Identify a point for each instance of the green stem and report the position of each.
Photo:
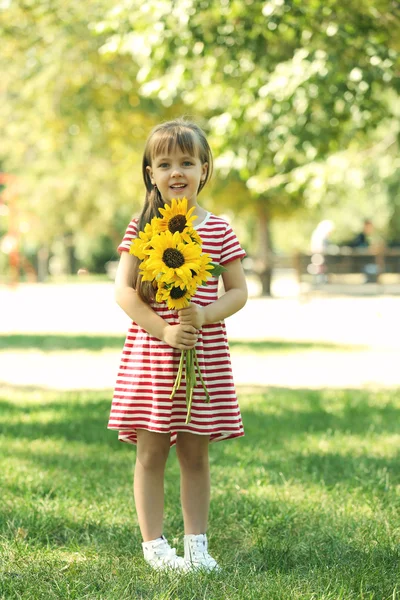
(179, 375)
(190, 383)
(189, 406)
(201, 377)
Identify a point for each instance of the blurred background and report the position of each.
(300, 100)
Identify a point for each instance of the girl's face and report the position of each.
(177, 175)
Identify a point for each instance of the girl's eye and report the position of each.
(166, 165)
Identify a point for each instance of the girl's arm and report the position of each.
(182, 336)
(232, 301)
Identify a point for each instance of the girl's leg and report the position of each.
(192, 452)
(148, 486)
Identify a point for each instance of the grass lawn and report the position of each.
(305, 506)
(92, 343)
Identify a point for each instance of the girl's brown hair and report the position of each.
(163, 139)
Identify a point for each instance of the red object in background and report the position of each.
(8, 196)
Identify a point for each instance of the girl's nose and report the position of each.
(176, 172)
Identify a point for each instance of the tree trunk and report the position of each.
(265, 251)
(71, 262)
(42, 264)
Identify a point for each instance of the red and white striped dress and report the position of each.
(149, 366)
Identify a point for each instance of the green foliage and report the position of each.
(299, 99)
(279, 83)
(72, 123)
(94, 252)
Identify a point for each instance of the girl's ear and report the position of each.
(204, 171)
(150, 174)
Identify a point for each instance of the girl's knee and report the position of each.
(193, 461)
(192, 453)
(152, 450)
(152, 458)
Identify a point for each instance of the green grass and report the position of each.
(273, 346)
(6, 279)
(305, 506)
(93, 343)
(60, 342)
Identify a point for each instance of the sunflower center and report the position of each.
(173, 258)
(176, 293)
(177, 223)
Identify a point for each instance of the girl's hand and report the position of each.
(183, 337)
(192, 315)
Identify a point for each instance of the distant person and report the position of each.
(364, 238)
(177, 164)
(320, 236)
(319, 246)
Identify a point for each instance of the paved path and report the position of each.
(80, 370)
(90, 308)
(371, 322)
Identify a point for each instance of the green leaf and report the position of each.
(217, 269)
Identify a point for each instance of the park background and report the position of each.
(300, 101)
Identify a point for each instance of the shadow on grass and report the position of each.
(318, 436)
(60, 342)
(278, 422)
(50, 528)
(86, 423)
(271, 416)
(290, 411)
(93, 343)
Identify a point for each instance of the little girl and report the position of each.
(177, 163)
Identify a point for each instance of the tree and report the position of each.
(280, 83)
(72, 123)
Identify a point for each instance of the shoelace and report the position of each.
(199, 549)
(165, 553)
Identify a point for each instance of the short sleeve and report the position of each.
(130, 233)
(231, 248)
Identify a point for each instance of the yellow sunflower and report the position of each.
(204, 272)
(141, 245)
(176, 217)
(175, 296)
(191, 235)
(170, 259)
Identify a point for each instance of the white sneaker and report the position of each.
(161, 557)
(196, 553)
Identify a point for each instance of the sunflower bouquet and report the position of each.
(170, 251)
